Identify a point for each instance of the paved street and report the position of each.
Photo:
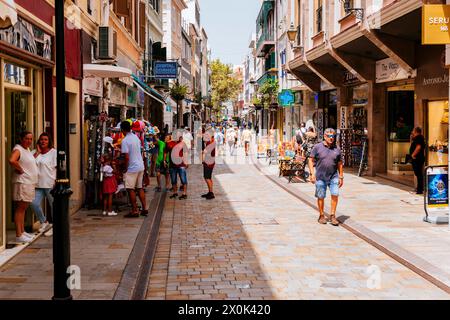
(256, 241)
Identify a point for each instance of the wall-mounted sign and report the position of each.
(118, 94)
(93, 86)
(350, 79)
(286, 98)
(343, 116)
(131, 97)
(165, 70)
(388, 70)
(435, 24)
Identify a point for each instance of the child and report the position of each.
(109, 187)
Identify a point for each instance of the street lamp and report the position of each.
(62, 191)
(292, 33)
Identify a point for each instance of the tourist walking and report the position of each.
(24, 179)
(134, 174)
(417, 152)
(231, 137)
(177, 152)
(246, 138)
(109, 186)
(326, 169)
(209, 161)
(161, 165)
(46, 161)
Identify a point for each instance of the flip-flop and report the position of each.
(322, 220)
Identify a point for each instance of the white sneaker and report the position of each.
(112, 213)
(49, 233)
(23, 238)
(44, 226)
(105, 213)
(29, 235)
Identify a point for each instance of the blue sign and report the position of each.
(165, 70)
(437, 190)
(286, 98)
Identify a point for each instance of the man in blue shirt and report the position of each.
(327, 170)
(134, 174)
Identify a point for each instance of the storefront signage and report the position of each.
(350, 79)
(165, 70)
(320, 127)
(344, 116)
(93, 86)
(432, 78)
(27, 36)
(118, 94)
(286, 98)
(388, 70)
(435, 24)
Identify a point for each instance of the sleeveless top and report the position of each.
(29, 166)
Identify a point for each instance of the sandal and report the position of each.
(144, 213)
(182, 197)
(322, 220)
(333, 221)
(131, 215)
(173, 196)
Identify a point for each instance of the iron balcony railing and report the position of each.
(265, 77)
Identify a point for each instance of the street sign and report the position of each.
(436, 194)
(435, 24)
(286, 98)
(165, 70)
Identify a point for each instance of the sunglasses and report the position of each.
(331, 136)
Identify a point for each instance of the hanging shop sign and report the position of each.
(320, 124)
(93, 86)
(388, 70)
(28, 37)
(286, 98)
(344, 117)
(436, 199)
(118, 94)
(435, 24)
(165, 70)
(131, 97)
(350, 79)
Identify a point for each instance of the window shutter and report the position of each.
(142, 25)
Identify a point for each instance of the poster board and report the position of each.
(436, 194)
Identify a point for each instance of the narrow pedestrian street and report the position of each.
(256, 241)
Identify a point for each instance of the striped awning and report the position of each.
(8, 13)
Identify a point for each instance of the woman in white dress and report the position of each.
(46, 160)
(24, 179)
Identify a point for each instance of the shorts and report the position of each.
(207, 172)
(247, 143)
(321, 187)
(161, 169)
(133, 180)
(23, 192)
(175, 172)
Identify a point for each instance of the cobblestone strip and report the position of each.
(415, 263)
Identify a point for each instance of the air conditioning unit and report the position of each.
(107, 43)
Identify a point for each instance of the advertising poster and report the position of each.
(438, 190)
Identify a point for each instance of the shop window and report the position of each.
(401, 115)
(15, 74)
(437, 133)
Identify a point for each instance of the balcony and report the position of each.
(265, 28)
(266, 76)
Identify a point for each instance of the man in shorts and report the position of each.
(327, 170)
(177, 153)
(161, 165)
(134, 174)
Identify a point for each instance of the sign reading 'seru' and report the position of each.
(436, 24)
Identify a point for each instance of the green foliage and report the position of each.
(268, 91)
(178, 91)
(224, 86)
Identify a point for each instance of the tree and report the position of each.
(178, 93)
(224, 87)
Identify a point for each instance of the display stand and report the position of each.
(436, 195)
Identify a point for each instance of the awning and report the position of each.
(105, 70)
(147, 89)
(8, 13)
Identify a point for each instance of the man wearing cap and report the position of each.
(134, 174)
(326, 169)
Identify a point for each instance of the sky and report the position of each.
(229, 25)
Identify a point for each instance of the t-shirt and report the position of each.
(231, 135)
(47, 164)
(132, 145)
(326, 161)
(209, 159)
(418, 141)
(174, 151)
(187, 138)
(161, 149)
(108, 171)
(28, 164)
(247, 135)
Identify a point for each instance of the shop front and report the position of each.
(24, 77)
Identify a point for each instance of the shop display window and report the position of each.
(437, 135)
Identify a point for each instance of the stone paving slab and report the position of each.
(100, 246)
(256, 241)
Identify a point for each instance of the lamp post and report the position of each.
(61, 191)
